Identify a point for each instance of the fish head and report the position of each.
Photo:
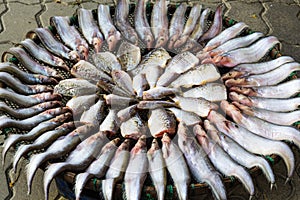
(97, 44)
(211, 130)
(230, 109)
(243, 90)
(240, 98)
(60, 62)
(113, 40)
(166, 139)
(154, 145)
(111, 146)
(73, 55)
(231, 75)
(124, 146)
(140, 146)
(161, 41)
(245, 109)
(83, 52)
(201, 135)
(172, 40)
(215, 117)
(149, 41)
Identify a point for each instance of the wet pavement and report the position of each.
(280, 18)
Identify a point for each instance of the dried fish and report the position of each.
(129, 55)
(94, 114)
(139, 84)
(81, 103)
(154, 104)
(106, 61)
(126, 113)
(123, 80)
(111, 88)
(133, 128)
(188, 118)
(152, 74)
(159, 93)
(116, 101)
(110, 125)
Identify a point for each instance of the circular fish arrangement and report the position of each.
(131, 94)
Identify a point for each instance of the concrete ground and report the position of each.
(280, 18)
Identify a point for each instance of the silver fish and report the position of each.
(160, 23)
(199, 75)
(177, 24)
(34, 133)
(136, 172)
(222, 161)
(160, 122)
(111, 34)
(43, 55)
(94, 114)
(176, 166)
(256, 68)
(280, 91)
(97, 168)
(70, 35)
(78, 159)
(189, 25)
(122, 22)
(89, 28)
(198, 106)
(280, 118)
(110, 124)
(238, 153)
(58, 148)
(123, 80)
(21, 88)
(116, 171)
(210, 91)
(188, 118)
(157, 169)
(52, 44)
(141, 24)
(75, 87)
(106, 61)
(133, 128)
(81, 103)
(261, 127)
(139, 84)
(154, 104)
(126, 113)
(29, 123)
(116, 101)
(269, 78)
(129, 56)
(252, 142)
(88, 71)
(286, 105)
(159, 93)
(179, 64)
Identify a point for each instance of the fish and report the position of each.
(155, 104)
(179, 64)
(111, 34)
(34, 133)
(216, 26)
(188, 118)
(141, 24)
(52, 44)
(122, 22)
(249, 54)
(286, 105)
(79, 159)
(129, 55)
(177, 24)
(160, 23)
(29, 63)
(123, 80)
(136, 172)
(222, 161)
(42, 141)
(90, 29)
(110, 125)
(238, 153)
(198, 106)
(157, 169)
(86, 70)
(21, 88)
(116, 101)
(26, 77)
(28, 100)
(280, 118)
(191, 43)
(283, 90)
(199, 75)
(111, 88)
(261, 127)
(106, 61)
(133, 128)
(159, 93)
(23, 113)
(152, 73)
(70, 35)
(29, 123)
(176, 166)
(79, 104)
(210, 91)
(98, 167)
(94, 114)
(139, 84)
(189, 25)
(116, 170)
(75, 87)
(266, 79)
(243, 70)
(160, 122)
(156, 57)
(252, 142)
(43, 55)
(58, 148)
(126, 113)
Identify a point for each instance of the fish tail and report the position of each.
(246, 180)
(21, 151)
(267, 170)
(182, 190)
(217, 186)
(81, 180)
(11, 140)
(287, 155)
